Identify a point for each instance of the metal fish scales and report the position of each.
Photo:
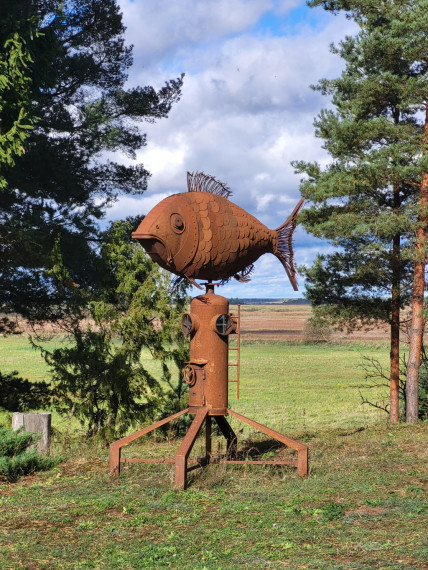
(202, 235)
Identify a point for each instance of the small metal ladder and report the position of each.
(237, 349)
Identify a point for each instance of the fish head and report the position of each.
(169, 234)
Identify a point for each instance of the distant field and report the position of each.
(287, 322)
(285, 382)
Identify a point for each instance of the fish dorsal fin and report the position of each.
(200, 182)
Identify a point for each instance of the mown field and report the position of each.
(363, 505)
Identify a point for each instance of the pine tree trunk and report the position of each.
(416, 330)
(394, 378)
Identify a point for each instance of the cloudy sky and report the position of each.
(246, 109)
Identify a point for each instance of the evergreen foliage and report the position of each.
(16, 460)
(365, 200)
(19, 395)
(69, 133)
(14, 442)
(97, 375)
(71, 66)
(15, 84)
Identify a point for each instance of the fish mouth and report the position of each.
(155, 247)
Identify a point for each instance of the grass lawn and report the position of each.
(363, 505)
(298, 386)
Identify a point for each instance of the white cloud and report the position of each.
(160, 29)
(130, 206)
(246, 109)
(285, 6)
(165, 162)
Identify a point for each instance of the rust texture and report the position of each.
(209, 352)
(202, 235)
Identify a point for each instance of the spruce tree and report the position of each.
(79, 156)
(96, 374)
(364, 201)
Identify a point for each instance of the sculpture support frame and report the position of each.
(207, 376)
(182, 456)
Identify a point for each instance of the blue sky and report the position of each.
(246, 109)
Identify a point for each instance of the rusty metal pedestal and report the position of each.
(209, 325)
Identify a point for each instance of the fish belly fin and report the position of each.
(200, 182)
(244, 275)
(285, 244)
(176, 282)
(193, 282)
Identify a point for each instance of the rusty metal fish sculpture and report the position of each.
(202, 235)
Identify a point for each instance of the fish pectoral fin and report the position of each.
(244, 275)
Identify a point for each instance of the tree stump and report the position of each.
(35, 423)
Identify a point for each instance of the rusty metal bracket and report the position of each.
(116, 446)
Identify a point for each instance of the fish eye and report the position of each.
(177, 223)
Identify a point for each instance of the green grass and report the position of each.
(288, 385)
(17, 354)
(363, 505)
(297, 386)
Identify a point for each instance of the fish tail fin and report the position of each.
(285, 244)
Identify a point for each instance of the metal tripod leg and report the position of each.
(208, 431)
(186, 447)
(116, 446)
(229, 434)
(301, 448)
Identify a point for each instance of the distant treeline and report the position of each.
(258, 301)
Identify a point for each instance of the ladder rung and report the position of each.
(233, 348)
(233, 365)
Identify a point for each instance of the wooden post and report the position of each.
(36, 423)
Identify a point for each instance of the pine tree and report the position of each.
(76, 64)
(364, 200)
